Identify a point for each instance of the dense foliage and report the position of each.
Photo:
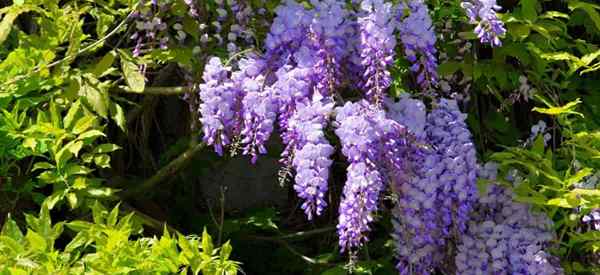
(415, 137)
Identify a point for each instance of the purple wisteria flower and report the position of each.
(419, 230)
(377, 43)
(219, 110)
(150, 29)
(311, 157)
(505, 237)
(447, 131)
(288, 31)
(593, 219)
(259, 106)
(364, 133)
(489, 27)
(418, 38)
(327, 38)
(409, 112)
(364, 182)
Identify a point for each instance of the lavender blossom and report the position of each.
(364, 132)
(489, 27)
(219, 108)
(505, 237)
(327, 38)
(259, 106)
(418, 37)
(420, 230)
(311, 157)
(150, 29)
(592, 219)
(377, 43)
(288, 30)
(410, 113)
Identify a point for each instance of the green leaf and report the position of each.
(118, 116)
(8, 19)
(225, 251)
(338, 270)
(100, 192)
(78, 226)
(134, 78)
(35, 241)
(42, 165)
(105, 64)
(566, 109)
(106, 148)
(83, 124)
(538, 145)
(578, 176)
(207, 244)
(79, 183)
(96, 98)
(102, 160)
(528, 7)
(73, 200)
(79, 241)
(74, 146)
(91, 134)
(590, 9)
(449, 68)
(75, 37)
(519, 30)
(11, 229)
(111, 220)
(74, 112)
(75, 169)
(53, 199)
(98, 212)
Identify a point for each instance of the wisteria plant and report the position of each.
(318, 136)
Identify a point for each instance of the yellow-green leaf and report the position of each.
(566, 109)
(134, 78)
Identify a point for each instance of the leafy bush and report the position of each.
(105, 246)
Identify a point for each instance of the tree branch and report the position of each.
(169, 170)
(179, 90)
(293, 236)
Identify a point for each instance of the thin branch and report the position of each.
(167, 171)
(295, 236)
(298, 235)
(179, 90)
(149, 221)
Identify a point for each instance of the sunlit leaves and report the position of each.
(106, 245)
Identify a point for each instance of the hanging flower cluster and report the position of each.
(489, 28)
(426, 158)
(150, 29)
(418, 37)
(505, 237)
(436, 193)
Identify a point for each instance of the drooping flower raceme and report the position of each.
(447, 131)
(288, 31)
(311, 157)
(418, 38)
(363, 130)
(259, 106)
(489, 27)
(364, 182)
(505, 237)
(219, 110)
(327, 38)
(419, 230)
(377, 43)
